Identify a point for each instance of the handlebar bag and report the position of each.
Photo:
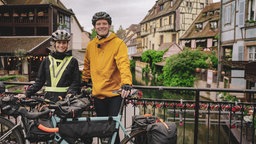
(162, 133)
(36, 135)
(8, 105)
(75, 109)
(86, 129)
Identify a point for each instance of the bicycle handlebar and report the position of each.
(135, 93)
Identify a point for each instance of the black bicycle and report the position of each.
(61, 122)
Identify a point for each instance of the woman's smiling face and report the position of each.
(61, 46)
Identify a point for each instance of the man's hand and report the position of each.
(20, 96)
(126, 90)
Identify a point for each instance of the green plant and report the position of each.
(6, 78)
(132, 64)
(179, 69)
(228, 97)
(145, 70)
(152, 57)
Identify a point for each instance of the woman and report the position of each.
(58, 72)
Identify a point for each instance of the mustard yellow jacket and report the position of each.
(106, 62)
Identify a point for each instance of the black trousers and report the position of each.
(108, 107)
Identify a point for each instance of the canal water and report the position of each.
(206, 134)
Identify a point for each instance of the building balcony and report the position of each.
(145, 33)
(165, 28)
(19, 20)
(234, 64)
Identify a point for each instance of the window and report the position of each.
(240, 53)
(251, 10)
(161, 7)
(189, 4)
(252, 53)
(199, 26)
(201, 5)
(161, 39)
(174, 38)
(170, 19)
(227, 14)
(171, 2)
(214, 24)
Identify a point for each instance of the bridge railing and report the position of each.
(199, 120)
(234, 118)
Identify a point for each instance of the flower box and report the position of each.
(6, 14)
(30, 14)
(40, 13)
(15, 15)
(23, 15)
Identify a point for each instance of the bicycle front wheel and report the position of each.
(15, 137)
(136, 137)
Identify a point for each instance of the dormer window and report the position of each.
(210, 13)
(214, 24)
(171, 2)
(161, 7)
(199, 26)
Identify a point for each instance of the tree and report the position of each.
(152, 57)
(180, 68)
(121, 33)
(94, 33)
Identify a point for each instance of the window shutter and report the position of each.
(241, 13)
(241, 53)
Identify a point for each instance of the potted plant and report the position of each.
(30, 14)
(6, 14)
(41, 13)
(15, 14)
(23, 14)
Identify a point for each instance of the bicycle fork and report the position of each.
(9, 132)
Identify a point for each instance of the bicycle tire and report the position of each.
(15, 137)
(136, 137)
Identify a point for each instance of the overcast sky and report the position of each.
(123, 12)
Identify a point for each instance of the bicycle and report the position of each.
(17, 133)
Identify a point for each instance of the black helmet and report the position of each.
(59, 35)
(101, 15)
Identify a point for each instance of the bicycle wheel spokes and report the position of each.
(9, 136)
(136, 137)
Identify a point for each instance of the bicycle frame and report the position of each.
(55, 119)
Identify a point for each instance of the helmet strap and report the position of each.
(102, 37)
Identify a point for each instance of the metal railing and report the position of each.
(230, 118)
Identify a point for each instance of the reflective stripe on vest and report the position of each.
(56, 72)
(56, 89)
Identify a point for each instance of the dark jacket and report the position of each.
(71, 78)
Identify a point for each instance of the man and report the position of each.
(107, 65)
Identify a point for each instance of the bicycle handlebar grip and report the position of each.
(47, 129)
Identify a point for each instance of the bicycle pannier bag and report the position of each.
(86, 129)
(142, 121)
(36, 135)
(162, 133)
